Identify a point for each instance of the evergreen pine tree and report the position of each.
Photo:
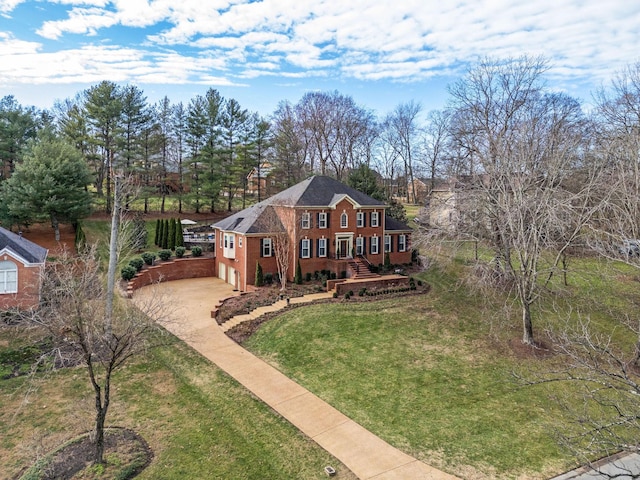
(171, 237)
(165, 234)
(158, 236)
(179, 233)
(298, 278)
(259, 276)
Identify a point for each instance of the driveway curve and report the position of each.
(366, 455)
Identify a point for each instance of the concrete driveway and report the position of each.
(366, 455)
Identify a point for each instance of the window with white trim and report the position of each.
(374, 245)
(8, 277)
(344, 220)
(387, 243)
(359, 245)
(305, 248)
(306, 220)
(402, 243)
(322, 247)
(322, 220)
(266, 247)
(229, 250)
(374, 219)
(360, 219)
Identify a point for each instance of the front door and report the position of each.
(344, 248)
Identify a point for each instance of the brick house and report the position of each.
(21, 265)
(328, 225)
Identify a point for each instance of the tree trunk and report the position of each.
(56, 227)
(101, 414)
(527, 324)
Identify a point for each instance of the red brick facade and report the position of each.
(28, 285)
(321, 238)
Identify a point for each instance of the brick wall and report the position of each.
(28, 295)
(173, 270)
(342, 286)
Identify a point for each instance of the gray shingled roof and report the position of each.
(320, 191)
(393, 225)
(256, 219)
(316, 191)
(22, 247)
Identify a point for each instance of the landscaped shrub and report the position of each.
(298, 278)
(136, 263)
(180, 252)
(335, 294)
(333, 275)
(196, 251)
(158, 236)
(148, 258)
(362, 292)
(268, 278)
(343, 274)
(347, 296)
(165, 234)
(259, 276)
(128, 272)
(171, 237)
(164, 254)
(350, 293)
(307, 277)
(179, 234)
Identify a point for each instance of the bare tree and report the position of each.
(73, 312)
(526, 144)
(401, 132)
(436, 141)
(618, 145)
(605, 380)
(278, 221)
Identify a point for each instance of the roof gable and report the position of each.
(23, 249)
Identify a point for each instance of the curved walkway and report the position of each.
(366, 455)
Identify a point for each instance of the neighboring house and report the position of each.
(262, 179)
(327, 226)
(21, 266)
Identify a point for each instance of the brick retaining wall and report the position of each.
(343, 286)
(176, 269)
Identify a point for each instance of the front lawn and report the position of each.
(434, 375)
(198, 422)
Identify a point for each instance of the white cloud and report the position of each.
(81, 21)
(221, 41)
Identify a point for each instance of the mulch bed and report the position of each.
(128, 451)
(240, 333)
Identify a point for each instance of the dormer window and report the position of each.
(344, 220)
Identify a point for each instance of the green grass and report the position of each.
(198, 421)
(434, 376)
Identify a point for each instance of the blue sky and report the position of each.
(381, 52)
